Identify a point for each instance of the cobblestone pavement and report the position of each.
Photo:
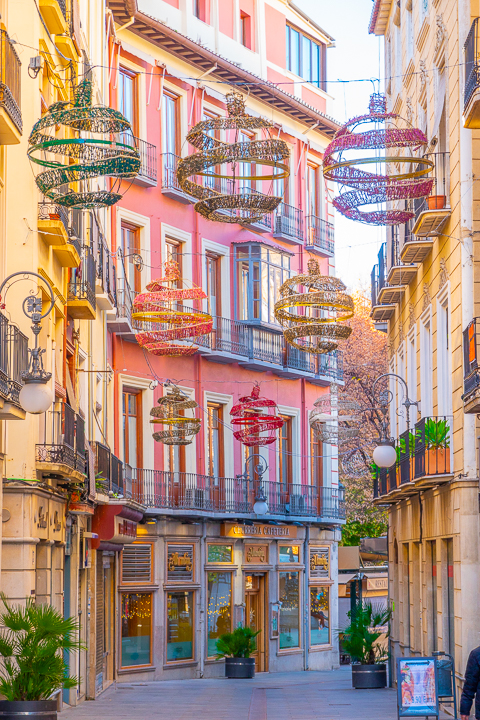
(280, 696)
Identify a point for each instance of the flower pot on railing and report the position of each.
(437, 461)
(436, 202)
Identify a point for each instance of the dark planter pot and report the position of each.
(28, 709)
(239, 667)
(369, 676)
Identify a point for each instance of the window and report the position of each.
(426, 369)
(305, 57)
(219, 608)
(137, 564)
(220, 554)
(130, 248)
(173, 250)
(316, 460)
(260, 272)
(179, 626)
(209, 181)
(132, 427)
(285, 453)
(288, 553)
(213, 288)
(289, 595)
(200, 10)
(319, 615)
(313, 205)
(246, 30)
(412, 365)
(444, 379)
(127, 97)
(433, 593)
(170, 130)
(409, 32)
(246, 171)
(136, 629)
(215, 457)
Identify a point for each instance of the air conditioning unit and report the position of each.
(298, 504)
(195, 498)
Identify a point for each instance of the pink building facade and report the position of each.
(203, 562)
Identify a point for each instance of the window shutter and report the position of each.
(137, 564)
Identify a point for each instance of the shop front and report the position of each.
(184, 585)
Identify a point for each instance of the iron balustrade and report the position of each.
(471, 356)
(148, 159)
(17, 356)
(432, 446)
(51, 211)
(3, 356)
(83, 287)
(374, 285)
(471, 60)
(80, 449)
(63, 7)
(103, 464)
(125, 297)
(288, 220)
(378, 276)
(117, 476)
(441, 186)
(188, 491)
(169, 172)
(59, 445)
(320, 234)
(71, 220)
(10, 84)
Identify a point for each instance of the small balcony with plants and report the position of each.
(432, 213)
(63, 230)
(11, 125)
(81, 300)
(423, 461)
(61, 453)
(13, 362)
(105, 284)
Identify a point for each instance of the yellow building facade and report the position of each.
(425, 296)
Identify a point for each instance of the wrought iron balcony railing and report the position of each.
(319, 234)
(63, 439)
(13, 360)
(148, 161)
(83, 286)
(471, 51)
(10, 95)
(71, 219)
(288, 222)
(169, 173)
(202, 493)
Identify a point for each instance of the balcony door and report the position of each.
(170, 139)
(214, 290)
(127, 100)
(215, 465)
(130, 248)
(132, 430)
(256, 616)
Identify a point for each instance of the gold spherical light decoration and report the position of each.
(179, 430)
(312, 309)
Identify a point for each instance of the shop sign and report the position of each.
(125, 531)
(377, 583)
(319, 563)
(273, 531)
(256, 554)
(180, 563)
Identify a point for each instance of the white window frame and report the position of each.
(141, 90)
(444, 359)
(142, 222)
(294, 413)
(228, 446)
(411, 356)
(142, 384)
(223, 252)
(185, 239)
(426, 364)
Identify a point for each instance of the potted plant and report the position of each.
(236, 648)
(360, 639)
(437, 444)
(33, 640)
(436, 202)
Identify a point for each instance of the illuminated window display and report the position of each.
(179, 626)
(219, 608)
(319, 615)
(289, 596)
(136, 629)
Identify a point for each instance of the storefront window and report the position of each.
(219, 608)
(288, 553)
(219, 554)
(179, 626)
(319, 616)
(290, 610)
(136, 629)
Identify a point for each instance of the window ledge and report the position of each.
(293, 651)
(186, 663)
(320, 648)
(144, 668)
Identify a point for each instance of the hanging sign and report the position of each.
(239, 530)
(417, 686)
(319, 563)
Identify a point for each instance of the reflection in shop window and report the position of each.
(179, 626)
(319, 616)
(219, 608)
(219, 554)
(136, 629)
(290, 610)
(288, 553)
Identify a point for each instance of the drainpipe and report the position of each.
(306, 599)
(202, 614)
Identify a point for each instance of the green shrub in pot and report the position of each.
(360, 640)
(236, 648)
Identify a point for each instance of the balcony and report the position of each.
(177, 493)
(384, 297)
(13, 362)
(147, 175)
(54, 13)
(423, 461)
(105, 285)
(319, 235)
(10, 102)
(432, 213)
(61, 229)
(170, 186)
(471, 97)
(120, 321)
(81, 303)
(61, 455)
(288, 224)
(400, 274)
(471, 370)
(260, 348)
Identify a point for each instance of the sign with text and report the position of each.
(319, 563)
(259, 531)
(256, 554)
(417, 686)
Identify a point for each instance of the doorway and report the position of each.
(256, 616)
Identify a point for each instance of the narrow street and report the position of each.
(279, 696)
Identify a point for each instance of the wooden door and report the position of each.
(256, 618)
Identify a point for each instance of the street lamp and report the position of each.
(260, 505)
(35, 396)
(385, 454)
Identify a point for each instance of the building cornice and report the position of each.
(202, 59)
(379, 17)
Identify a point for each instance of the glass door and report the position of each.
(255, 617)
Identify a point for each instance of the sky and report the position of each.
(355, 56)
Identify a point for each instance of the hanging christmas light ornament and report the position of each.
(334, 419)
(71, 162)
(179, 430)
(255, 427)
(160, 320)
(314, 306)
(226, 195)
(389, 186)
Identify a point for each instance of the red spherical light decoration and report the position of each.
(255, 428)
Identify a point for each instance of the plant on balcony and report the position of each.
(236, 647)
(436, 435)
(436, 202)
(33, 641)
(361, 639)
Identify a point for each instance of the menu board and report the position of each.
(417, 686)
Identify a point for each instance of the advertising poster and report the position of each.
(417, 686)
